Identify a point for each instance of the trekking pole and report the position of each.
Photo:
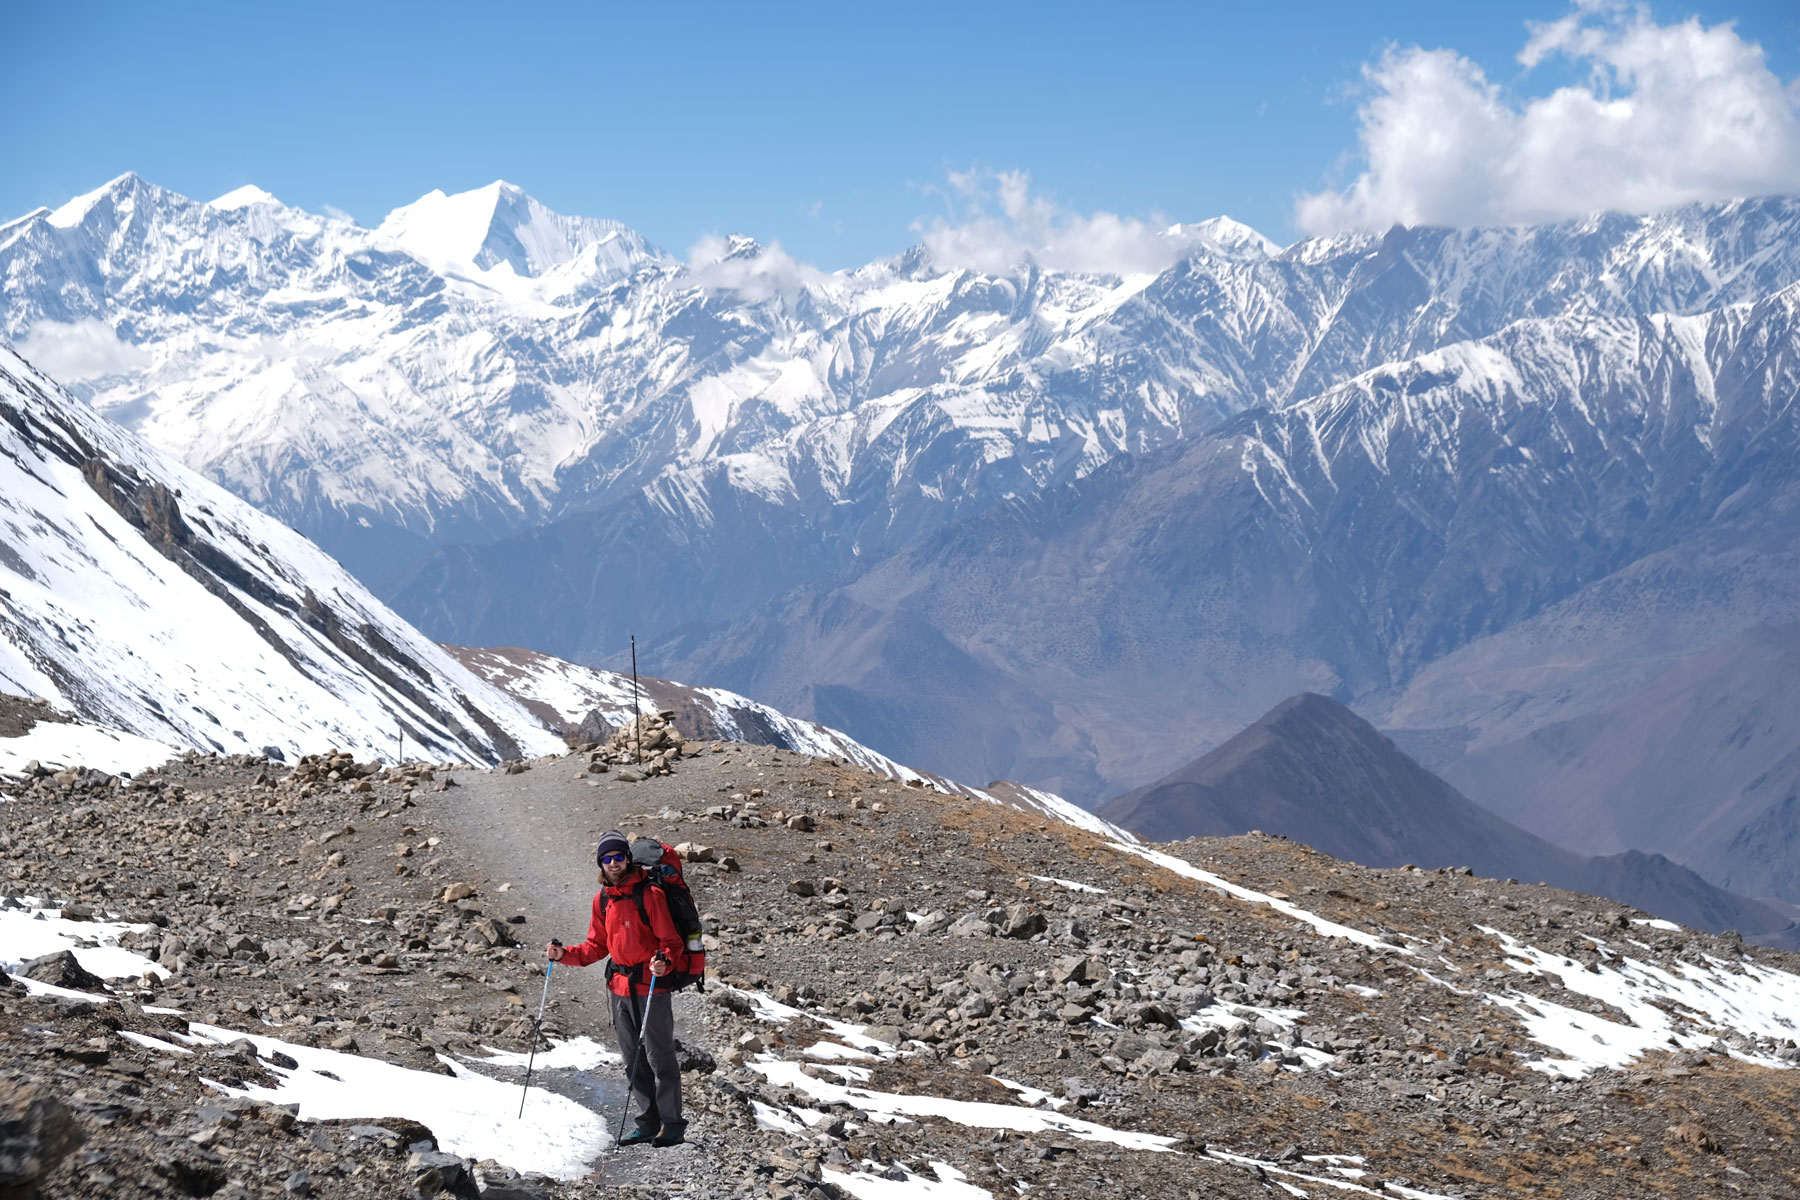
(536, 1027)
(643, 1024)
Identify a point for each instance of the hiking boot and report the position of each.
(638, 1137)
(670, 1136)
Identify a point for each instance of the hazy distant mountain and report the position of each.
(1312, 770)
(1345, 544)
(1702, 760)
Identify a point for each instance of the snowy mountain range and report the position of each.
(145, 599)
(477, 366)
(1502, 488)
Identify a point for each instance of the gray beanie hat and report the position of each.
(614, 841)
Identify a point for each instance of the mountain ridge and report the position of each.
(1032, 372)
(1344, 545)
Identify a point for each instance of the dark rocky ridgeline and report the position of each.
(347, 905)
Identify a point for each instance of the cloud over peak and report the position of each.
(996, 222)
(1665, 115)
(754, 272)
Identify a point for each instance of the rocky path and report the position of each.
(534, 831)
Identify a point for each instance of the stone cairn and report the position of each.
(647, 746)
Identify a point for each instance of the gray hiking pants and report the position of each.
(655, 1079)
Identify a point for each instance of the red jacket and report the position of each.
(617, 928)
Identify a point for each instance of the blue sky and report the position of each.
(836, 129)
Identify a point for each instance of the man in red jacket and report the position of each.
(638, 950)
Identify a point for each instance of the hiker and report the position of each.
(637, 951)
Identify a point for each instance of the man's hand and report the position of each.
(553, 950)
(660, 966)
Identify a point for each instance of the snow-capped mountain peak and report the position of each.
(742, 245)
(1224, 235)
(120, 190)
(500, 224)
(242, 197)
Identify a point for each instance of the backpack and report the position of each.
(662, 869)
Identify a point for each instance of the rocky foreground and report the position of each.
(910, 989)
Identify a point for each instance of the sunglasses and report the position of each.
(612, 858)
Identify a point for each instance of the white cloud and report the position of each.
(996, 223)
(754, 272)
(1667, 115)
(86, 349)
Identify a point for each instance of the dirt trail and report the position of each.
(535, 832)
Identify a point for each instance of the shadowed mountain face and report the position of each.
(1702, 761)
(1314, 771)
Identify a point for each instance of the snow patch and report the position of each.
(58, 744)
(1070, 884)
(950, 1184)
(1690, 1007)
(27, 933)
(894, 1106)
(1320, 925)
(573, 1054)
(471, 1114)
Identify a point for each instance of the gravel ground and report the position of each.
(315, 906)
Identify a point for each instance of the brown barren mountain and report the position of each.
(1312, 770)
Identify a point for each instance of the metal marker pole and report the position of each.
(637, 717)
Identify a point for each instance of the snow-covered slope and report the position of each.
(146, 599)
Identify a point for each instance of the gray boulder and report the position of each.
(62, 969)
(36, 1133)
